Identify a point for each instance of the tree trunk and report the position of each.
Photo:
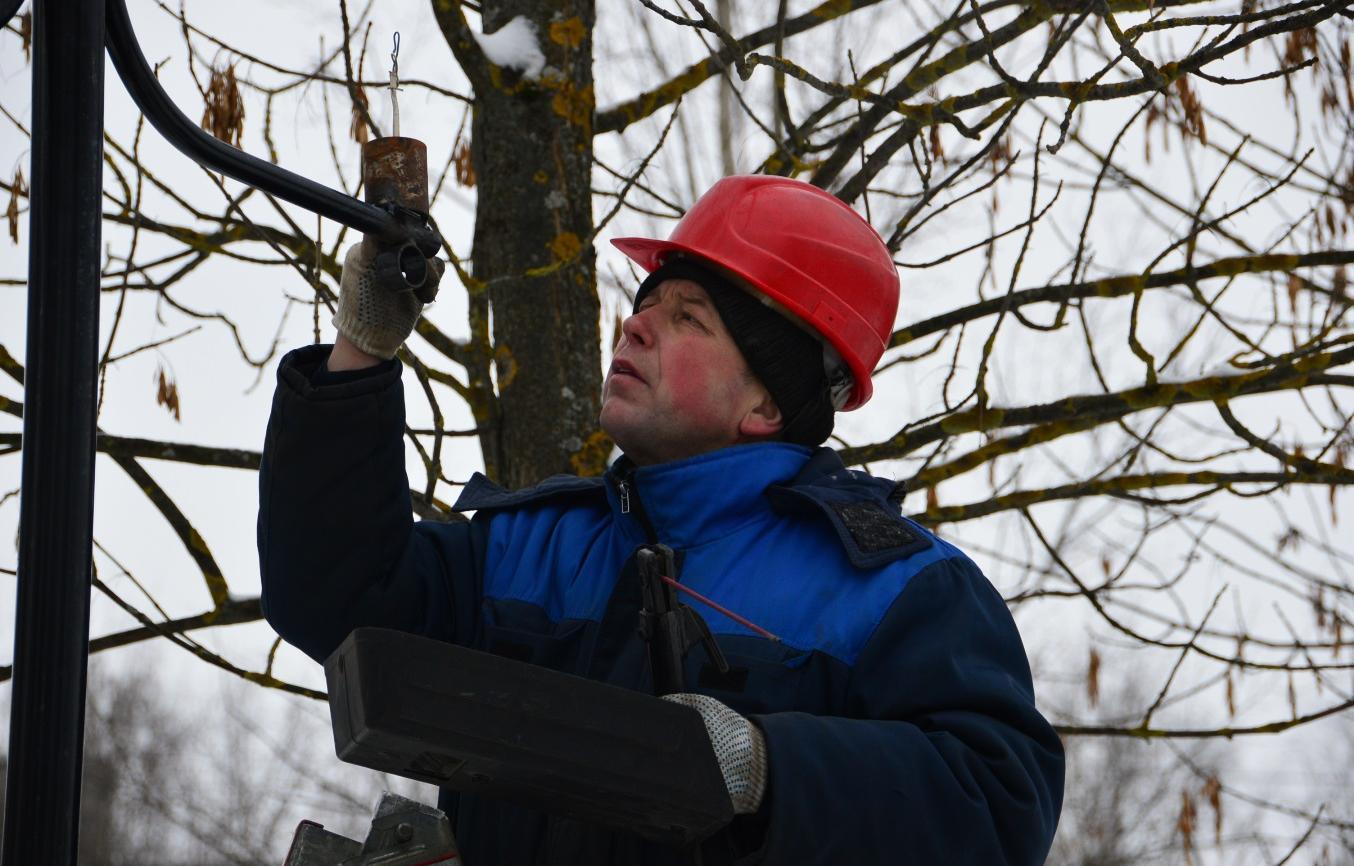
(532, 152)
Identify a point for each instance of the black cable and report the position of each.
(215, 154)
(8, 9)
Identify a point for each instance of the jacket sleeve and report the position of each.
(944, 758)
(338, 547)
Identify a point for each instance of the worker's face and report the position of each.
(678, 386)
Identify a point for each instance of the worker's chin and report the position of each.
(628, 425)
(616, 417)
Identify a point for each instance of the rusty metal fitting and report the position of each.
(395, 171)
(395, 177)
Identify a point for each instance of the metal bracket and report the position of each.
(403, 833)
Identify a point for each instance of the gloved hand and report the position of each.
(377, 311)
(740, 748)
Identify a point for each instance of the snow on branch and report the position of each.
(514, 46)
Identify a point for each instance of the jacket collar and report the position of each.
(704, 498)
(701, 499)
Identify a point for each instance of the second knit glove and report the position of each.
(740, 748)
(377, 311)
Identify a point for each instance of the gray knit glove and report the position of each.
(740, 748)
(377, 311)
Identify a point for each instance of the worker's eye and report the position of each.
(688, 318)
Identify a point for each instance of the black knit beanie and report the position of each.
(785, 358)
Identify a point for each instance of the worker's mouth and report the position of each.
(621, 367)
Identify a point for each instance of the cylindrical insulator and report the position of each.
(395, 171)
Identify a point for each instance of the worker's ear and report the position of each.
(763, 420)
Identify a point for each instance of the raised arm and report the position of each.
(338, 547)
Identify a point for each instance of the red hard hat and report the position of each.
(802, 247)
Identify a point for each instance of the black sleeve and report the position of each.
(338, 547)
(944, 758)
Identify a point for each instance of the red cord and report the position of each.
(719, 607)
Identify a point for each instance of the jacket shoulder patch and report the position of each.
(872, 528)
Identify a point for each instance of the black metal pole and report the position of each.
(56, 513)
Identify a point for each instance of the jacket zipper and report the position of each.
(631, 504)
(628, 493)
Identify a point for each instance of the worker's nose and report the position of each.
(637, 329)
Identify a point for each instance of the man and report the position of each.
(890, 716)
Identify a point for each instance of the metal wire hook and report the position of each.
(395, 85)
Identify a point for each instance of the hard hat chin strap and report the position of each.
(840, 382)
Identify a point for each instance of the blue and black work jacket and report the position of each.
(897, 703)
